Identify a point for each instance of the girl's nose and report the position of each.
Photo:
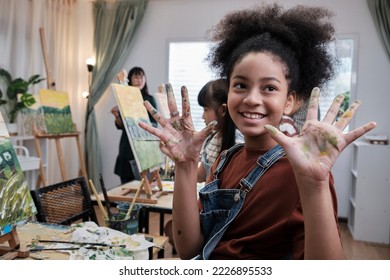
(252, 98)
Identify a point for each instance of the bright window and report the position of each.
(345, 49)
(187, 66)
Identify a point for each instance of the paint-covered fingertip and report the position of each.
(315, 91)
(271, 129)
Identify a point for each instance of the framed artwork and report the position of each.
(144, 145)
(16, 203)
(56, 111)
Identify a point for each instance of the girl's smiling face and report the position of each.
(258, 95)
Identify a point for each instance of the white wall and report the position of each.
(166, 20)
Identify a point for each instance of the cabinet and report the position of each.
(28, 158)
(369, 202)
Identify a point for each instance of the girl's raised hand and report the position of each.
(179, 140)
(314, 151)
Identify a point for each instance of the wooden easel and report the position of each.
(50, 82)
(13, 250)
(57, 138)
(149, 196)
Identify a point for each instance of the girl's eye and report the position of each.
(239, 86)
(269, 89)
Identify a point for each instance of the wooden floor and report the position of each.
(358, 250)
(353, 250)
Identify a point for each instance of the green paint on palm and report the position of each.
(333, 141)
(306, 148)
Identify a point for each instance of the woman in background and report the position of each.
(123, 169)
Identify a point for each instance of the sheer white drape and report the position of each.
(68, 30)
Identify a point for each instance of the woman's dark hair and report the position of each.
(138, 71)
(144, 91)
(297, 37)
(212, 95)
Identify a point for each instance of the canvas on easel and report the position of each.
(144, 145)
(162, 101)
(16, 203)
(32, 118)
(56, 110)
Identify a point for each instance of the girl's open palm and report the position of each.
(179, 140)
(314, 151)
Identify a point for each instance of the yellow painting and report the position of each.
(56, 110)
(54, 98)
(144, 145)
(130, 101)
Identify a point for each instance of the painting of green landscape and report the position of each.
(16, 203)
(56, 110)
(32, 119)
(144, 145)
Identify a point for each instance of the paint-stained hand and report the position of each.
(179, 140)
(313, 153)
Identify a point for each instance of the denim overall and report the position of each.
(221, 206)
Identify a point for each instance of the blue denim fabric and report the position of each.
(221, 206)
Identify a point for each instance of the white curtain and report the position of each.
(67, 26)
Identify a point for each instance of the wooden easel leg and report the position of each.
(12, 251)
(42, 175)
(159, 181)
(39, 181)
(155, 175)
(61, 160)
(82, 162)
(147, 187)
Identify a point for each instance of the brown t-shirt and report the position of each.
(270, 223)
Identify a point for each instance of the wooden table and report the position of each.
(34, 231)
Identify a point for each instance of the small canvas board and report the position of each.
(56, 110)
(144, 145)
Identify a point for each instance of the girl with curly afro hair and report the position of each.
(273, 196)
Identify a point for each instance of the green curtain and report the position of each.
(114, 27)
(380, 11)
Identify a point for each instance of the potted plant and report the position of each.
(14, 94)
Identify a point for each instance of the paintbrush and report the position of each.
(81, 243)
(38, 249)
(98, 200)
(106, 199)
(134, 198)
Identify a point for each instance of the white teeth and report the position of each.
(253, 116)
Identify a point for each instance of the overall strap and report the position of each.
(225, 155)
(263, 163)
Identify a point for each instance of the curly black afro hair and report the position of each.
(299, 37)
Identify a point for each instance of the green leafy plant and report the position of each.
(16, 91)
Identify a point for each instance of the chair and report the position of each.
(64, 203)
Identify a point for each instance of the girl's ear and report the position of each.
(222, 109)
(291, 99)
